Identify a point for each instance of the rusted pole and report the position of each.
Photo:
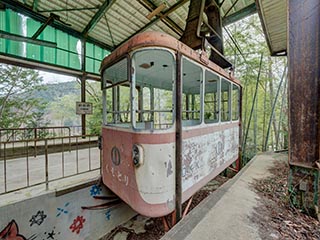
(304, 101)
(178, 139)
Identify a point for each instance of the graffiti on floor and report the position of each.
(51, 234)
(63, 210)
(77, 224)
(95, 190)
(11, 232)
(108, 214)
(38, 218)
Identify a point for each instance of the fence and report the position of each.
(31, 162)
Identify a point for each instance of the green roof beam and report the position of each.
(20, 8)
(35, 5)
(18, 38)
(96, 18)
(244, 12)
(68, 9)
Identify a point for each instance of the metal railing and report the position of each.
(12, 134)
(31, 162)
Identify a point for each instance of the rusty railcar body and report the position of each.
(139, 127)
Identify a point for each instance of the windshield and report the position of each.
(146, 101)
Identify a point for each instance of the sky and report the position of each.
(49, 77)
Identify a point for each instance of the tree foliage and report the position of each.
(18, 106)
(250, 49)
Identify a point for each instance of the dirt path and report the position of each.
(275, 217)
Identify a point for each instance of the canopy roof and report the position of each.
(109, 23)
(273, 16)
(55, 27)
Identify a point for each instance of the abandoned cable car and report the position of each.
(140, 91)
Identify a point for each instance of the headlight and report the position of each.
(137, 155)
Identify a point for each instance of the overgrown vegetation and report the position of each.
(18, 106)
(264, 115)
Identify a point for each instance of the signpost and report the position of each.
(83, 108)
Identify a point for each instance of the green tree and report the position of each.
(63, 110)
(250, 43)
(94, 96)
(18, 106)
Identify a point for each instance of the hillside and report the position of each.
(57, 90)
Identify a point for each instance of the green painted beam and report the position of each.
(68, 9)
(96, 18)
(244, 12)
(35, 5)
(24, 10)
(15, 37)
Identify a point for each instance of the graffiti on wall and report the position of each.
(77, 224)
(63, 210)
(11, 232)
(63, 218)
(37, 218)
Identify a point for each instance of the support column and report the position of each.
(83, 99)
(178, 119)
(304, 102)
(83, 84)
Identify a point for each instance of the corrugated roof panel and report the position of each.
(125, 17)
(273, 16)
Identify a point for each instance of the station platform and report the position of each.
(227, 212)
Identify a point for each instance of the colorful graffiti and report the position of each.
(11, 232)
(62, 217)
(95, 190)
(108, 214)
(63, 210)
(77, 224)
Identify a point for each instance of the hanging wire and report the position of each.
(227, 12)
(108, 26)
(253, 104)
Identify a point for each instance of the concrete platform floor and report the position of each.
(226, 213)
(76, 164)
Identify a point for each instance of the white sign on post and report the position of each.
(83, 108)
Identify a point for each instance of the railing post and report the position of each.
(46, 163)
(62, 155)
(69, 139)
(5, 166)
(28, 174)
(35, 142)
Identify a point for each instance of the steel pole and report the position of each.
(178, 139)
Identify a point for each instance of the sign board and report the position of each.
(83, 108)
